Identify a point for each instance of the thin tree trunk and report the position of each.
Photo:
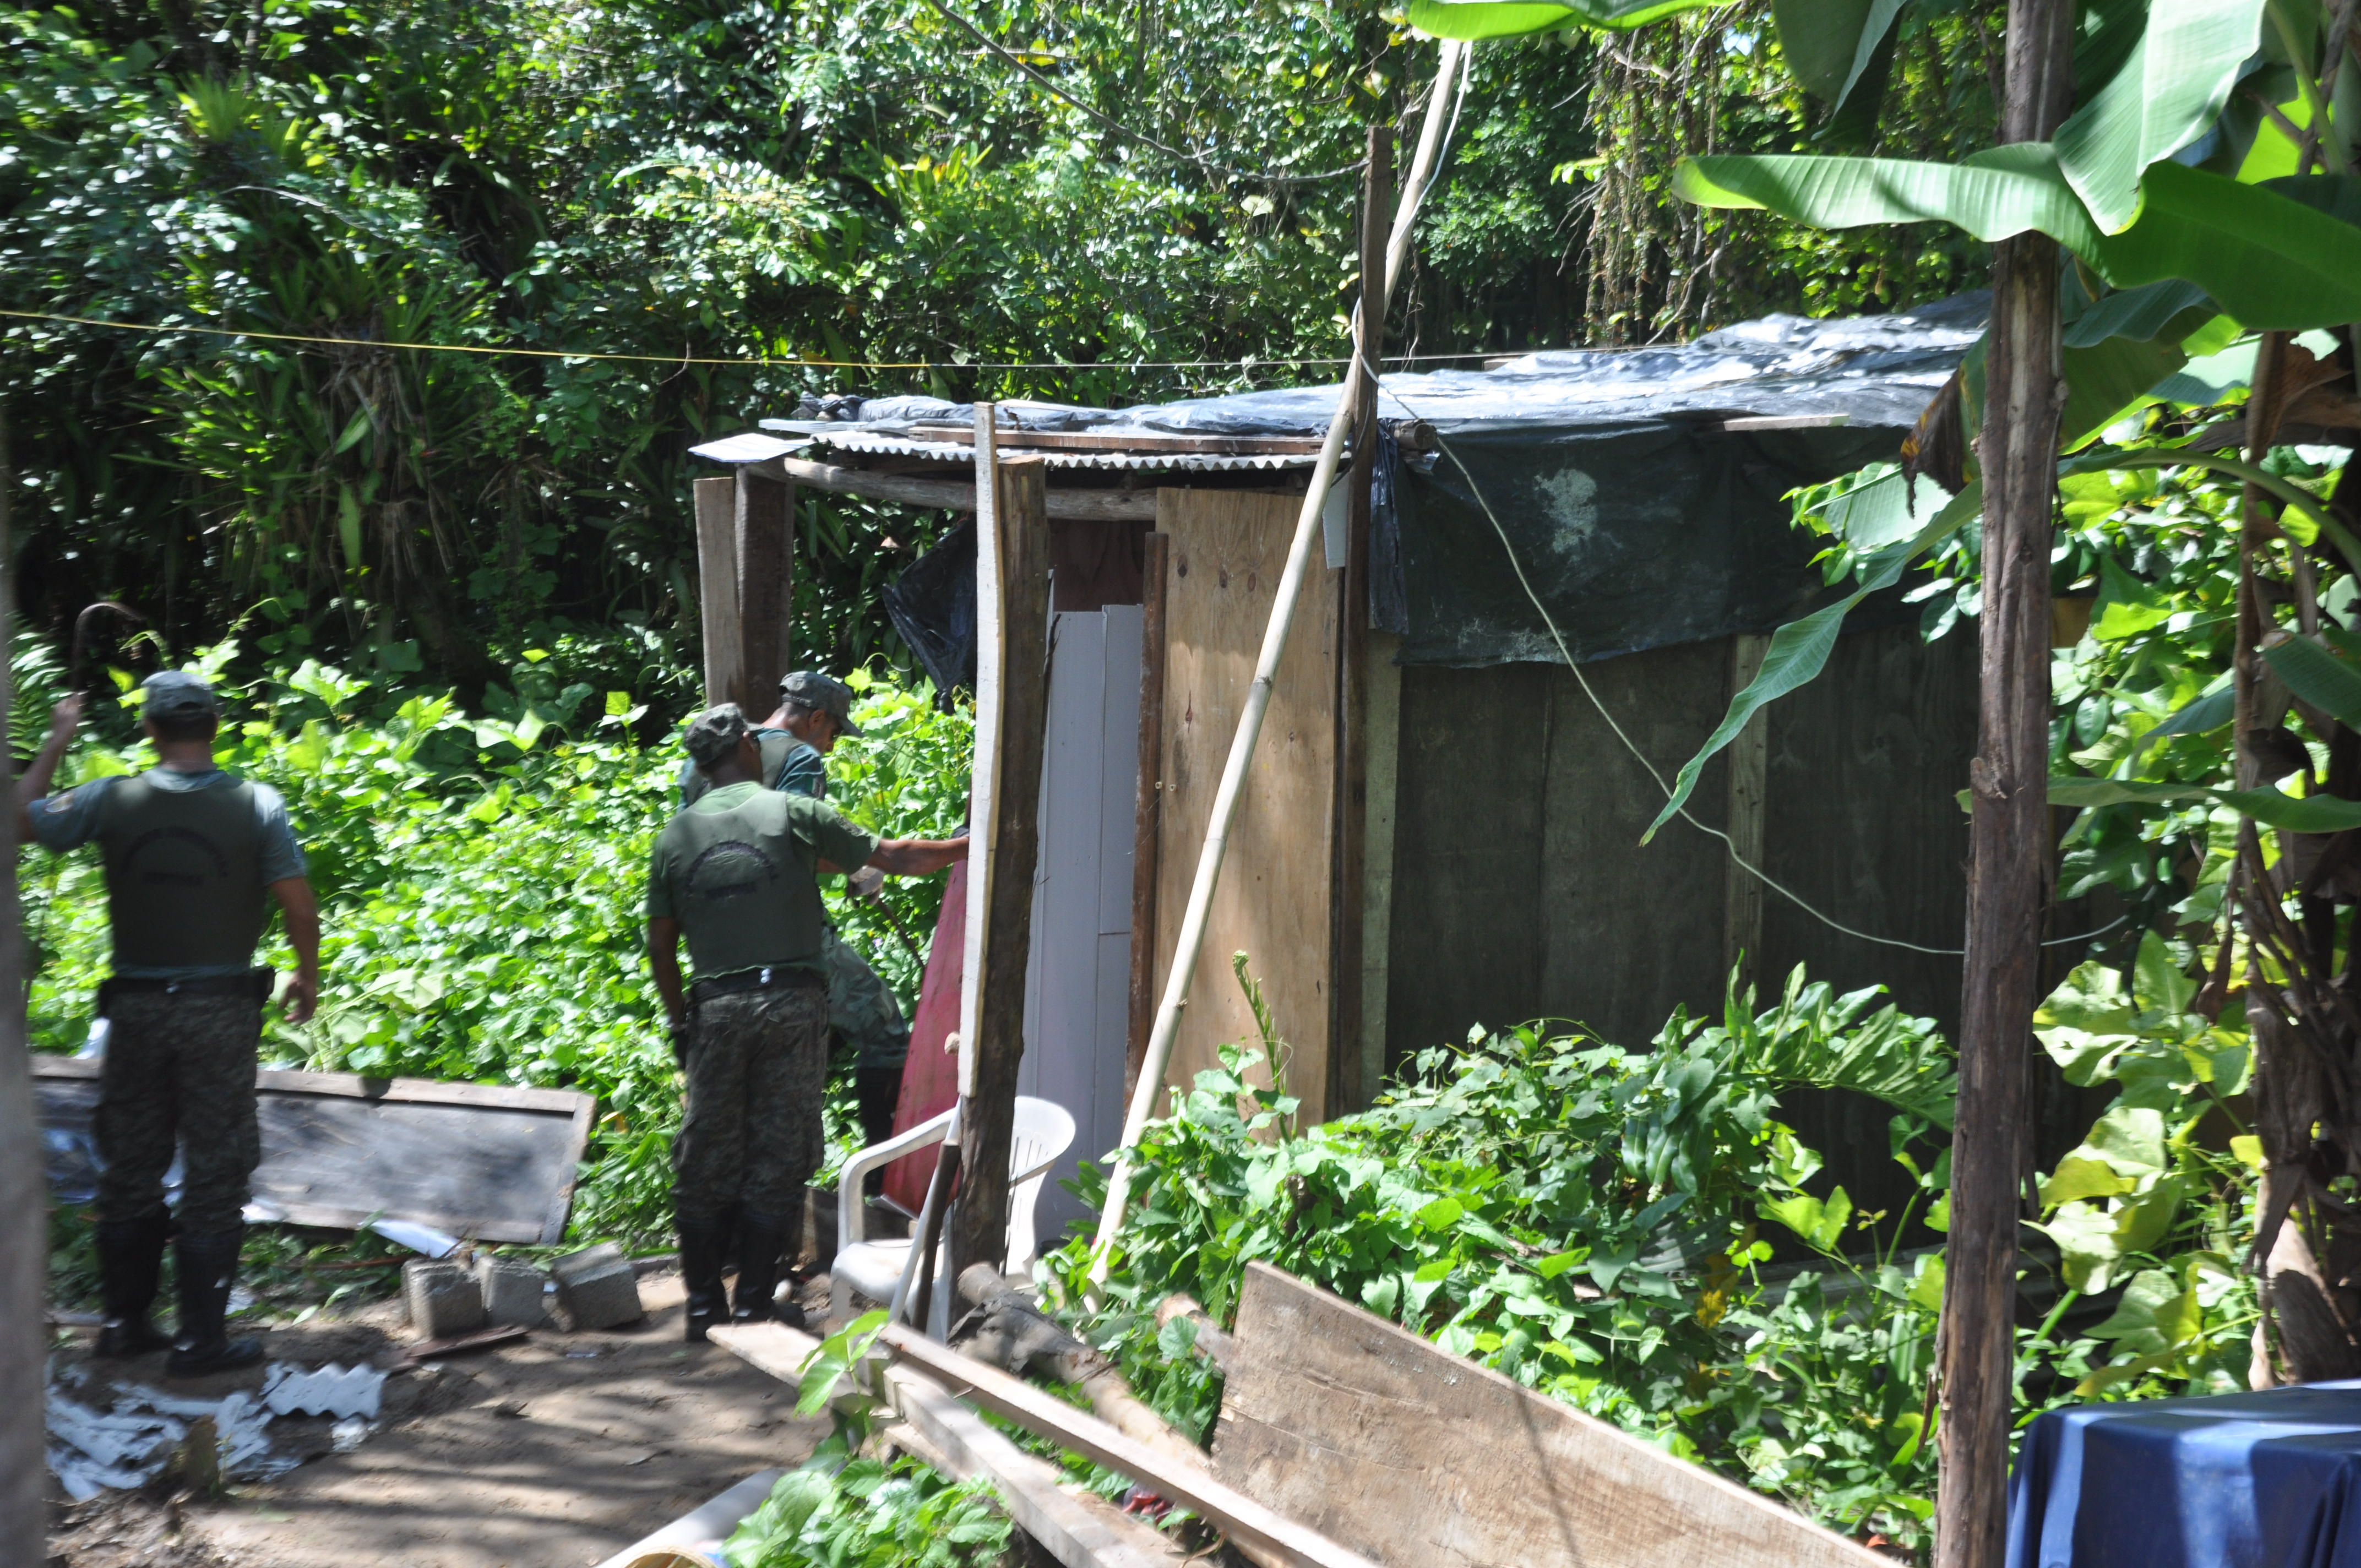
(2017, 454)
(24, 1206)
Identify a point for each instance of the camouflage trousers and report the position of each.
(757, 1066)
(178, 1070)
(862, 1011)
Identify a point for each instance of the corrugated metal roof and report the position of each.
(887, 442)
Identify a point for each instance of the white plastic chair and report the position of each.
(1041, 1131)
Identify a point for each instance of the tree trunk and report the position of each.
(24, 1206)
(2009, 832)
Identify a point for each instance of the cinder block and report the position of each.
(597, 1288)
(511, 1289)
(443, 1299)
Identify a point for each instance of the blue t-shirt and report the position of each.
(66, 821)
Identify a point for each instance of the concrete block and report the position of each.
(443, 1299)
(511, 1289)
(597, 1288)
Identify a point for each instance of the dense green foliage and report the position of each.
(844, 179)
(1592, 1221)
(839, 1512)
(481, 883)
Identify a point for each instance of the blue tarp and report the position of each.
(2266, 1480)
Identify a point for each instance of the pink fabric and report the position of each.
(930, 1077)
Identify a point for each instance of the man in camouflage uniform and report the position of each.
(736, 873)
(814, 710)
(190, 850)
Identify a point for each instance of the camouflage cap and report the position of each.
(809, 688)
(716, 735)
(169, 692)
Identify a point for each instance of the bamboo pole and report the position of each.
(1192, 939)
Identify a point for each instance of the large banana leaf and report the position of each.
(2310, 814)
(1799, 650)
(2272, 262)
(1477, 19)
(1828, 43)
(2167, 95)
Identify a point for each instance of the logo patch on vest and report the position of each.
(732, 869)
(168, 853)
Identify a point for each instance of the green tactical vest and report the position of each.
(184, 874)
(743, 896)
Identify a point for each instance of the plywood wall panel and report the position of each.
(1228, 550)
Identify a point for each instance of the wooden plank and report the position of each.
(951, 495)
(1013, 624)
(1239, 1516)
(1145, 837)
(1273, 900)
(477, 1160)
(1749, 762)
(1421, 1459)
(765, 527)
(1382, 732)
(1080, 1528)
(1125, 441)
(717, 589)
(1348, 1085)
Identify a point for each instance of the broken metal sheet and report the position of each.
(478, 1161)
(90, 1450)
(330, 1390)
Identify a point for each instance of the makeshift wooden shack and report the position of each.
(1442, 827)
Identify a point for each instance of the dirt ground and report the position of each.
(553, 1452)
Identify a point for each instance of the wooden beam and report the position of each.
(1347, 1086)
(765, 528)
(1129, 440)
(24, 1199)
(1749, 768)
(1079, 1528)
(957, 495)
(1147, 814)
(1381, 730)
(1012, 725)
(1393, 1446)
(1044, 1414)
(717, 589)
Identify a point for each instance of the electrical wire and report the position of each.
(1729, 845)
(1121, 130)
(761, 360)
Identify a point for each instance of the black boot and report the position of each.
(761, 1238)
(702, 1244)
(130, 1256)
(208, 1267)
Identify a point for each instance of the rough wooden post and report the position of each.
(763, 527)
(1147, 814)
(1749, 768)
(716, 589)
(23, 1204)
(1013, 590)
(1345, 1089)
(2009, 839)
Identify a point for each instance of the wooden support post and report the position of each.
(1347, 1088)
(2008, 829)
(764, 530)
(1147, 815)
(1749, 767)
(1383, 730)
(716, 589)
(23, 1201)
(1012, 720)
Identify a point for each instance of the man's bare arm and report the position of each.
(910, 857)
(302, 909)
(664, 963)
(35, 782)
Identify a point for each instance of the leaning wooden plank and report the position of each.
(1080, 1530)
(1238, 1516)
(1423, 1459)
(480, 1161)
